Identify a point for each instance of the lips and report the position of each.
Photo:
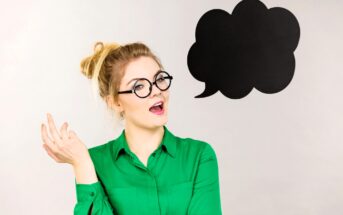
(160, 103)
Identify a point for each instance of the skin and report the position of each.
(143, 129)
(62, 145)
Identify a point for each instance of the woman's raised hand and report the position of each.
(64, 147)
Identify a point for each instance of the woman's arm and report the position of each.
(206, 194)
(91, 198)
(66, 147)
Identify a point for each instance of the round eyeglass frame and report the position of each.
(151, 84)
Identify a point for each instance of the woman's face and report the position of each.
(136, 110)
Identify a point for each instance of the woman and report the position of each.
(147, 169)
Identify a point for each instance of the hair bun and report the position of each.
(91, 65)
(98, 44)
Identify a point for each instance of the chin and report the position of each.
(160, 122)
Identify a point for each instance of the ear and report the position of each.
(115, 105)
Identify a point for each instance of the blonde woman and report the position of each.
(146, 169)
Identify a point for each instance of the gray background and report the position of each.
(278, 154)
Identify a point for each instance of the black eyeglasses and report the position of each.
(143, 87)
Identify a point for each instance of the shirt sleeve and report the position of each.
(91, 199)
(206, 191)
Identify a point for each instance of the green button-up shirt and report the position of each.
(181, 177)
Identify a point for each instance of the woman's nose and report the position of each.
(155, 90)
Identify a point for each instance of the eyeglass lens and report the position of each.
(142, 87)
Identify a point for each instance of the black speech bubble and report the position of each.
(253, 47)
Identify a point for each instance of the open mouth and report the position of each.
(158, 108)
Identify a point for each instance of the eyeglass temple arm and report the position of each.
(127, 91)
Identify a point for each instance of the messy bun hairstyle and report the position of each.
(106, 66)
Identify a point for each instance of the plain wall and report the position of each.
(278, 154)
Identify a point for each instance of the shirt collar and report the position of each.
(168, 143)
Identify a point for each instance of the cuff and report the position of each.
(89, 192)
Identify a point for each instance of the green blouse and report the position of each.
(181, 177)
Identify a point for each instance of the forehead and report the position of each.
(142, 67)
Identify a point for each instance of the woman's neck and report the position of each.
(143, 141)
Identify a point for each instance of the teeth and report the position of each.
(160, 103)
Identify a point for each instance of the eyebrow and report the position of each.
(140, 78)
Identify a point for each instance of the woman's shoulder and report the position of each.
(198, 146)
(98, 148)
(192, 141)
(100, 151)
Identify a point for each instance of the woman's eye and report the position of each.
(160, 79)
(138, 87)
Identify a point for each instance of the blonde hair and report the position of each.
(106, 66)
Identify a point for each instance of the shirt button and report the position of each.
(92, 193)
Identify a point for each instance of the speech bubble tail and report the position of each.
(207, 92)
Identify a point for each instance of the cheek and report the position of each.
(166, 96)
(134, 105)
(141, 107)
(167, 101)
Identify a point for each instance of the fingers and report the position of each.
(53, 130)
(50, 153)
(44, 135)
(64, 131)
(54, 142)
(72, 134)
(46, 139)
